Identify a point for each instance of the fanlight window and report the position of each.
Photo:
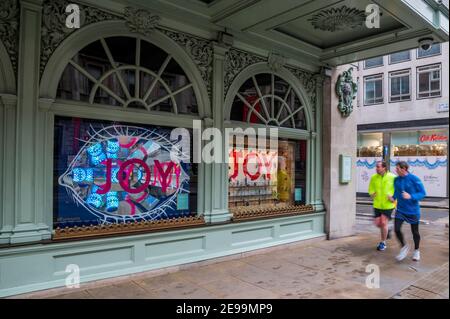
(269, 100)
(130, 73)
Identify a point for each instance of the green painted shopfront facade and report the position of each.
(89, 118)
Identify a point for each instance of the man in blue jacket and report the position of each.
(408, 192)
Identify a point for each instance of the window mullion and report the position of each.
(160, 72)
(263, 103)
(137, 80)
(114, 65)
(272, 104)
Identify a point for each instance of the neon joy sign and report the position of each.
(126, 173)
(254, 164)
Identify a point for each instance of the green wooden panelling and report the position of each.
(296, 229)
(35, 267)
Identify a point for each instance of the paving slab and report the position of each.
(317, 269)
(128, 290)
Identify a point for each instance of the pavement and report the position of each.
(427, 214)
(426, 203)
(432, 286)
(318, 269)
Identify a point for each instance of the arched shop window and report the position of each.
(130, 73)
(267, 99)
(116, 176)
(276, 176)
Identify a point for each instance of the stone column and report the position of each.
(8, 104)
(29, 219)
(219, 171)
(317, 199)
(339, 137)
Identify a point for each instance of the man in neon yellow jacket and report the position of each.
(381, 189)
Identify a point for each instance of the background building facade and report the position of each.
(402, 114)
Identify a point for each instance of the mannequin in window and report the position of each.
(283, 180)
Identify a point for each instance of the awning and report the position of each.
(320, 32)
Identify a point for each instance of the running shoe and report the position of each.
(381, 246)
(403, 253)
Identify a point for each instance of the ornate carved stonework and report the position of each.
(338, 19)
(276, 61)
(128, 228)
(140, 20)
(252, 213)
(54, 29)
(309, 82)
(9, 28)
(346, 91)
(199, 50)
(235, 62)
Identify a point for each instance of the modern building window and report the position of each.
(399, 57)
(370, 144)
(369, 151)
(373, 62)
(420, 143)
(373, 89)
(434, 50)
(400, 86)
(429, 81)
(426, 153)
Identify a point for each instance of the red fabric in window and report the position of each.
(253, 118)
(302, 150)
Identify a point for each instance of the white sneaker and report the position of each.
(403, 253)
(416, 255)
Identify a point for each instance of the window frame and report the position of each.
(430, 55)
(376, 66)
(147, 102)
(439, 65)
(68, 107)
(400, 95)
(364, 89)
(409, 57)
(265, 116)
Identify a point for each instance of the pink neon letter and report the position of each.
(124, 181)
(246, 172)
(163, 174)
(235, 163)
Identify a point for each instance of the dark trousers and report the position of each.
(414, 229)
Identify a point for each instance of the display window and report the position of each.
(270, 180)
(267, 178)
(426, 153)
(420, 143)
(111, 173)
(370, 145)
(369, 152)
